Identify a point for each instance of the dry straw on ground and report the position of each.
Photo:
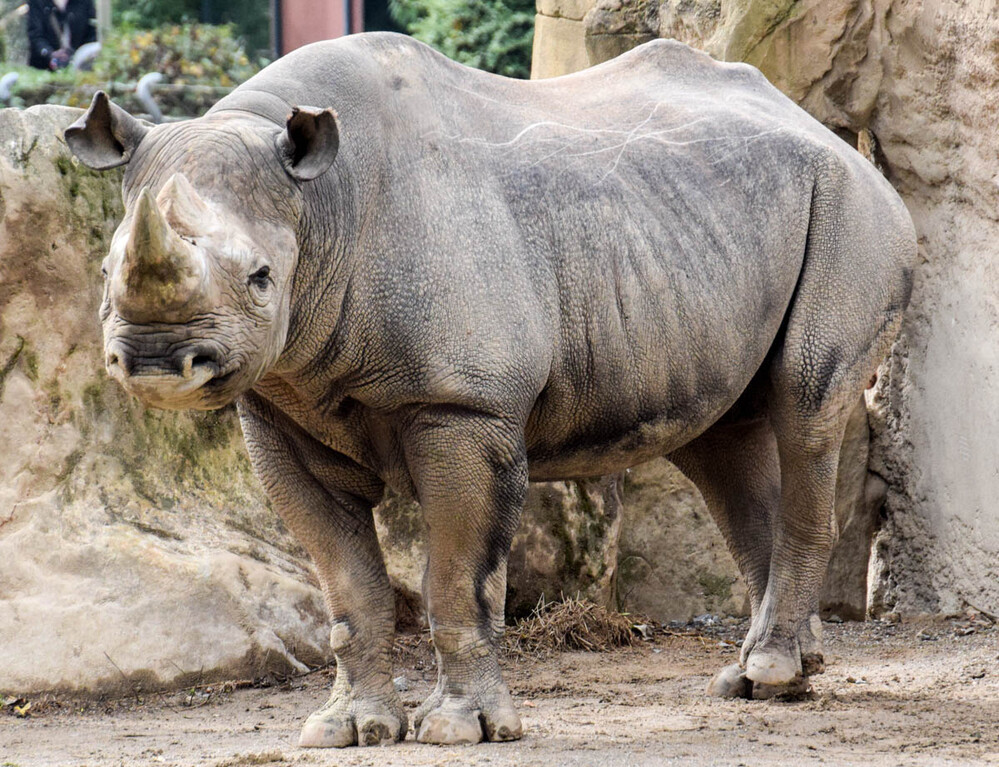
(569, 624)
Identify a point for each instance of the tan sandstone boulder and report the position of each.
(136, 546)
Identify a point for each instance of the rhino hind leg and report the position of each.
(846, 310)
(471, 477)
(736, 467)
(336, 527)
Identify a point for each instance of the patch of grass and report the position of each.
(63, 164)
(30, 363)
(93, 399)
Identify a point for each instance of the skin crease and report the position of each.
(470, 282)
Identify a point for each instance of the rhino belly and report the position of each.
(613, 416)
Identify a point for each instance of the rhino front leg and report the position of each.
(326, 500)
(470, 471)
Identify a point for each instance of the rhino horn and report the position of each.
(184, 209)
(161, 274)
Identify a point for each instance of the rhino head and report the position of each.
(199, 276)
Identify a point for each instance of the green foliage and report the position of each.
(249, 18)
(182, 53)
(29, 78)
(147, 14)
(494, 35)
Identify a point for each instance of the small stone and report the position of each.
(400, 683)
(834, 619)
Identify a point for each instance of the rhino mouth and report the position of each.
(191, 378)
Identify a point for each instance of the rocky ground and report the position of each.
(910, 693)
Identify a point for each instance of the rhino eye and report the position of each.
(260, 278)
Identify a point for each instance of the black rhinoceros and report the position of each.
(456, 282)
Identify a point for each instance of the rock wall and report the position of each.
(934, 119)
(915, 85)
(559, 39)
(136, 546)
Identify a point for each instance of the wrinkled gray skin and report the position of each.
(474, 282)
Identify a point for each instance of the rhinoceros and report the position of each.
(411, 274)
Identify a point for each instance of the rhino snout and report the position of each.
(128, 360)
(168, 380)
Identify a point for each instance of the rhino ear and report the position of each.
(310, 142)
(106, 136)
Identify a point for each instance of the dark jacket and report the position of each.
(46, 24)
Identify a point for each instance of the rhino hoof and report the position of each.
(344, 729)
(376, 730)
(812, 664)
(731, 682)
(322, 733)
(450, 728)
(502, 724)
(771, 667)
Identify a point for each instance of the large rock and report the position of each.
(559, 46)
(915, 86)
(559, 38)
(935, 125)
(137, 547)
(673, 564)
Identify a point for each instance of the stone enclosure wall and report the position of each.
(137, 548)
(915, 85)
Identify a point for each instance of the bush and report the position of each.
(183, 53)
(209, 58)
(494, 35)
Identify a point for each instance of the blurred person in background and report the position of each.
(56, 28)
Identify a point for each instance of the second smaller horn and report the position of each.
(184, 208)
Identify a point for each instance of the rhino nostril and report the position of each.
(117, 359)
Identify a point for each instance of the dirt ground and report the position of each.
(913, 693)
